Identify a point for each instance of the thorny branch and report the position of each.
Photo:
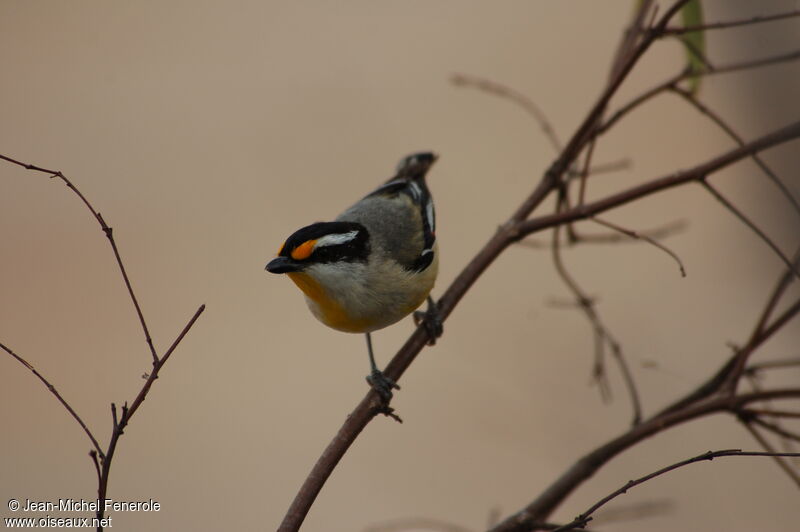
(707, 400)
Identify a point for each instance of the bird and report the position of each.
(375, 264)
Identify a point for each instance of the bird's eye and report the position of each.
(303, 251)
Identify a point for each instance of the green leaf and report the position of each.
(694, 42)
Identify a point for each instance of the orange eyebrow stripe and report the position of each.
(303, 251)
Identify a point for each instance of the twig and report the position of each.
(586, 304)
(660, 232)
(585, 467)
(641, 236)
(686, 74)
(585, 517)
(119, 423)
(680, 30)
(768, 412)
(788, 469)
(603, 168)
(647, 188)
(749, 223)
(722, 124)
(108, 231)
(602, 336)
(497, 89)
(63, 401)
(776, 429)
(777, 294)
(773, 364)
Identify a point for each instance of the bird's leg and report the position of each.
(431, 320)
(379, 382)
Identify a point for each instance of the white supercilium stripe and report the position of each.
(336, 239)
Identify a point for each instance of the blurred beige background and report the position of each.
(206, 132)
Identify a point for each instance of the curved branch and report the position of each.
(61, 400)
(586, 467)
(109, 232)
(585, 517)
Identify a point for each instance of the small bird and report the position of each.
(374, 265)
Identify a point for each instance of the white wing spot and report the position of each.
(430, 215)
(415, 191)
(336, 238)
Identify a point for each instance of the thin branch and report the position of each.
(696, 173)
(788, 469)
(603, 168)
(53, 390)
(528, 105)
(696, 52)
(641, 236)
(657, 233)
(769, 412)
(585, 517)
(749, 223)
(777, 293)
(686, 74)
(108, 231)
(680, 30)
(639, 100)
(776, 429)
(586, 304)
(119, 423)
(584, 175)
(722, 124)
(602, 336)
(773, 364)
(96, 461)
(585, 467)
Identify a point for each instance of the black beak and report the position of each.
(283, 265)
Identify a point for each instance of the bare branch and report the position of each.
(749, 223)
(776, 429)
(773, 364)
(686, 74)
(722, 124)
(697, 173)
(585, 517)
(61, 400)
(657, 233)
(786, 468)
(602, 335)
(641, 236)
(728, 24)
(769, 412)
(108, 231)
(497, 89)
(119, 424)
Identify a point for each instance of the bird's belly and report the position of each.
(368, 309)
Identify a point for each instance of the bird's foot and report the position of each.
(383, 386)
(431, 320)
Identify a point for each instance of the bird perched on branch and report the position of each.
(374, 265)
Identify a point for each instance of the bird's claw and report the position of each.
(431, 320)
(382, 385)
